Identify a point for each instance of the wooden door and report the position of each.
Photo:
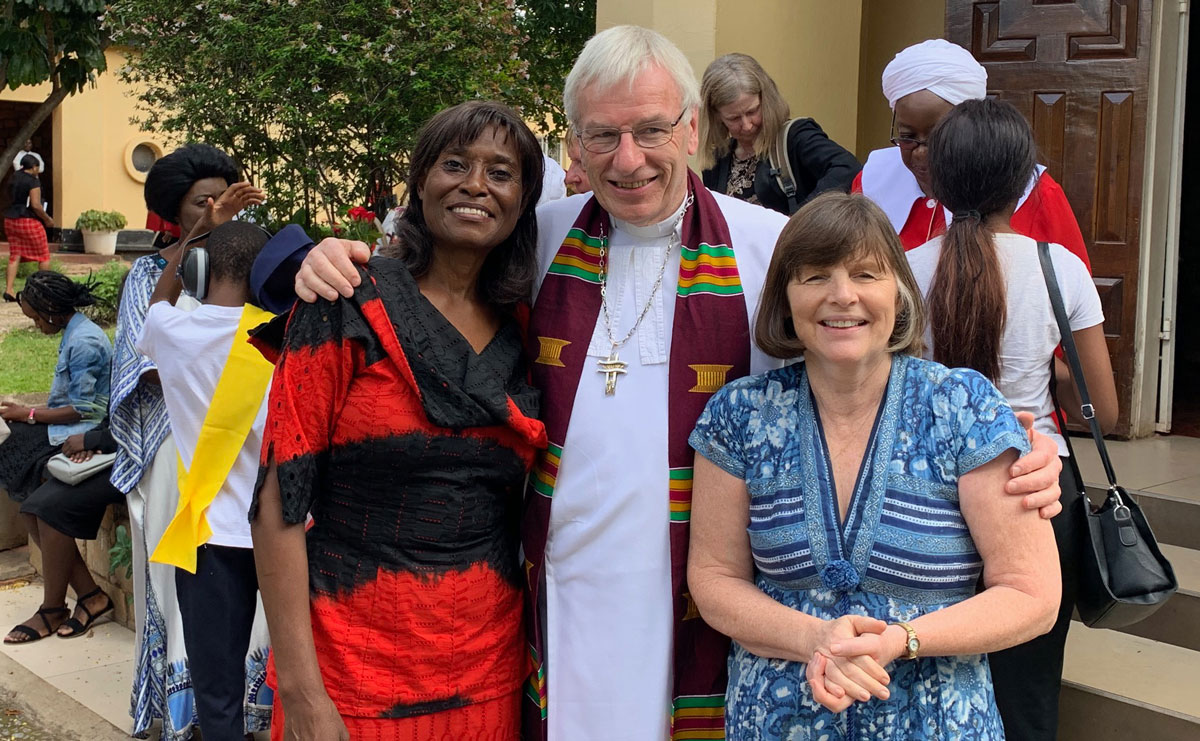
(1079, 71)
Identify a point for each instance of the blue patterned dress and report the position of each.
(903, 551)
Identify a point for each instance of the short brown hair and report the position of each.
(828, 230)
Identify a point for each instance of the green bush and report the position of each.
(106, 287)
(121, 553)
(100, 221)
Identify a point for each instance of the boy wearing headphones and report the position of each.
(215, 388)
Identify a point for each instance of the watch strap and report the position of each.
(912, 643)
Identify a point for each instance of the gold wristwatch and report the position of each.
(912, 644)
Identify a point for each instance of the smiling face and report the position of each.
(635, 184)
(845, 313)
(916, 115)
(471, 196)
(743, 119)
(191, 208)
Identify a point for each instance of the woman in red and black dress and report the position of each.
(23, 221)
(401, 420)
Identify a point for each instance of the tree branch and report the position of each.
(39, 115)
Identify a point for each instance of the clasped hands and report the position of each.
(74, 450)
(849, 662)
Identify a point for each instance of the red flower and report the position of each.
(358, 213)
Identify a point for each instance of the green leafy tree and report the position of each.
(57, 41)
(310, 96)
(554, 32)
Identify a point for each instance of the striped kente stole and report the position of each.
(710, 343)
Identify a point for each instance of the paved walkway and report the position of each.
(95, 670)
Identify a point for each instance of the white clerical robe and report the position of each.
(608, 617)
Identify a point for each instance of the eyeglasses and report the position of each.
(646, 136)
(908, 143)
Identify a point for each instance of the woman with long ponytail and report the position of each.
(989, 310)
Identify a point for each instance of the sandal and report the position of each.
(32, 634)
(77, 628)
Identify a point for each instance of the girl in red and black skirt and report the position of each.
(26, 237)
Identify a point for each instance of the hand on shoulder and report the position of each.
(330, 270)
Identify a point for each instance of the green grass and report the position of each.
(27, 360)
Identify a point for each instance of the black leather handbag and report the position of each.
(1123, 575)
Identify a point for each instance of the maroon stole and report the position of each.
(710, 344)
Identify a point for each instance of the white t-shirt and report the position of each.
(1030, 332)
(190, 349)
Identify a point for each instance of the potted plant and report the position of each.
(100, 230)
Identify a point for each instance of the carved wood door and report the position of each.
(1079, 71)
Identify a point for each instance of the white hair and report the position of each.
(621, 53)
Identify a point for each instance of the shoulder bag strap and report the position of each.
(1068, 344)
(1072, 461)
(781, 166)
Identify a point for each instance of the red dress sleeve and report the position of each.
(1046, 216)
(312, 375)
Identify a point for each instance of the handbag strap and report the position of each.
(1072, 461)
(1068, 344)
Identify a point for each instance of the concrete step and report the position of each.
(1178, 621)
(1175, 520)
(1118, 686)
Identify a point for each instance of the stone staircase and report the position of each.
(1143, 682)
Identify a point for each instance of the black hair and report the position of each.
(981, 158)
(232, 248)
(28, 161)
(509, 270)
(173, 176)
(53, 294)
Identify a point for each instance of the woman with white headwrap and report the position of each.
(922, 84)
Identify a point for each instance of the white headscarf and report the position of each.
(947, 70)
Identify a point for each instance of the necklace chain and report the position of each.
(662, 269)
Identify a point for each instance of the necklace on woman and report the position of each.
(612, 366)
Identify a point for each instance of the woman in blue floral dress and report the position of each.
(845, 508)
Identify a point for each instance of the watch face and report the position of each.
(913, 645)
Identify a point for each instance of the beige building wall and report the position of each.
(887, 27)
(809, 47)
(93, 141)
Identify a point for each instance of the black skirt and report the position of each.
(73, 510)
(23, 459)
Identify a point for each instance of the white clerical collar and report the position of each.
(652, 231)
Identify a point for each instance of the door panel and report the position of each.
(1079, 71)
